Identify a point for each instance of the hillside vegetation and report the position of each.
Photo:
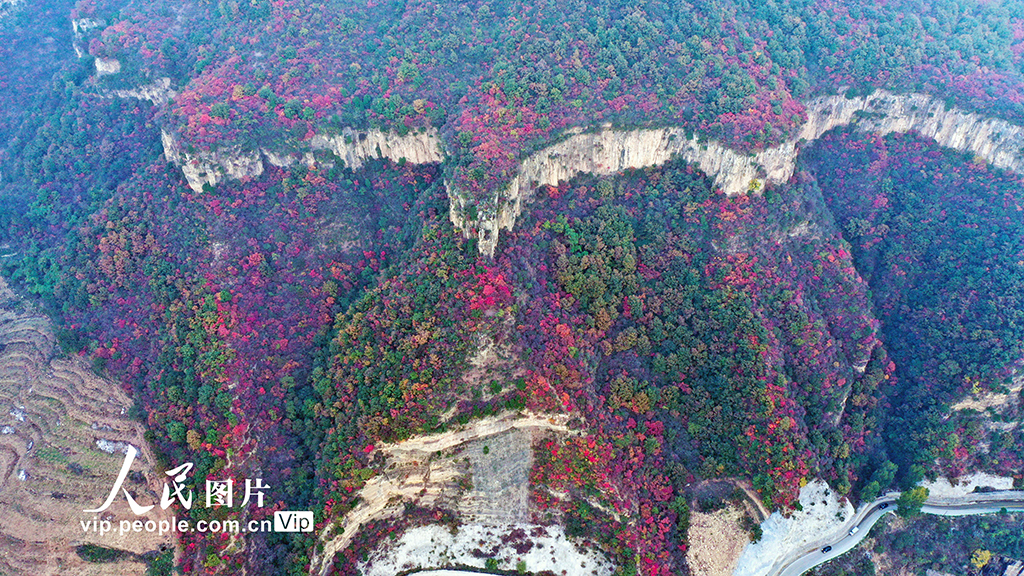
(288, 325)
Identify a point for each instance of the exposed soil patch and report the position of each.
(474, 546)
(716, 541)
(481, 471)
(500, 475)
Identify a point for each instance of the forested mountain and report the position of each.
(175, 191)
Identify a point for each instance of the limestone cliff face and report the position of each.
(353, 147)
(609, 151)
(606, 152)
(7, 7)
(158, 92)
(107, 66)
(80, 27)
(996, 141)
(211, 167)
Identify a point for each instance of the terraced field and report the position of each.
(63, 433)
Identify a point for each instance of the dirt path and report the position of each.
(756, 505)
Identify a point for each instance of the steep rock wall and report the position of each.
(211, 167)
(107, 66)
(8, 7)
(352, 146)
(610, 151)
(607, 151)
(80, 27)
(158, 92)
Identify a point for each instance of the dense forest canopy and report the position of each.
(294, 322)
(500, 77)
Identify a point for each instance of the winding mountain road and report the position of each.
(858, 527)
(863, 520)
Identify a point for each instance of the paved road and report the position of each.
(447, 573)
(864, 519)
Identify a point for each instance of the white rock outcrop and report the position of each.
(82, 25)
(202, 168)
(425, 547)
(607, 152)
(822, 514)
(352, 146)
(79, 27)
(610, 151)
(286, 159)
(7, 7)
(107, 66)
(413, 476)
(83, 31)
(158, 92)
(962, 487)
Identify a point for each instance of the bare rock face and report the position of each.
(63, 432)
(608, 151)
(211, 167)
(452, 470)
(286, 159)
(353, 147)
(158, 92)
(996, 141)
(81, 27)
(106, 66)
(7, 7)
